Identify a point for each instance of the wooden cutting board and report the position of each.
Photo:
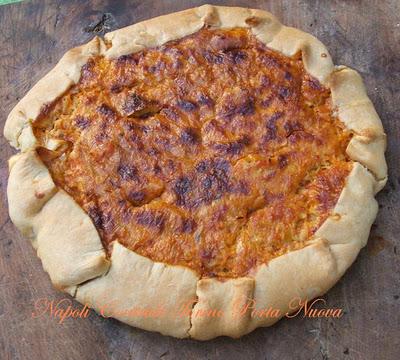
(362, 34)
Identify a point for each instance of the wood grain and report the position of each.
(362, 34)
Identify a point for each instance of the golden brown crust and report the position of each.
(70, 250)
(355, 109)
(159, 30)
(354, 212)
(218, 308)
(143, 293)
(303, 274)
(66, 73)
(293, 274)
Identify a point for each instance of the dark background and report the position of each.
(362, 34)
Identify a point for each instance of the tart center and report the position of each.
(212, 152)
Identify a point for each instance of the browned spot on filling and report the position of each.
(212, 152)
(39, 195)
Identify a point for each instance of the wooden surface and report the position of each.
(362, 34)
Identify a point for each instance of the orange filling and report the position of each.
(212, 152)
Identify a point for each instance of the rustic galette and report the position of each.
(188, 167)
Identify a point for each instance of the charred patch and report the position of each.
(101, 220)
(130, 126)
(270, 61)
(314, 84)
(271, 125)
(122, 80)
(208, 182)
(213, 179)
(206, 255)
(45, 109)
(157, 169)
(233, 148)
(237, 56)
(127, 172)
(105, 110)
(221, 42)
(284, 93)
(213, 58)
(133, 104)
(271, 121)
(87, 71)
(137, 106)
(153, 152)
(170, 113)
(181, 188)
(267, 101)
(82, 122)
(186, 105)
(265, 81)
(101, 137)
(205, 100)
(127, 60)
(244, 106)
(298, 136)
(271, 135)
(182, 85)
(288, 75)
(163, 143)
(146, 129)
(173, 52)
(245, 140)
(292, 126)
(187, 226)
(136, 140)
(116, 88)
(157, 68)
(202, 166)
(189, 136)
(213, 164)
(137, 198)
(177, 64)
(282, 161)
(125, 211)
(150, 219)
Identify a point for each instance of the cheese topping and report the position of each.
(212, 152)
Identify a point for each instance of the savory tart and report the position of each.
(188, 167)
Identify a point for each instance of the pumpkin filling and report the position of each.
(212, 152)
